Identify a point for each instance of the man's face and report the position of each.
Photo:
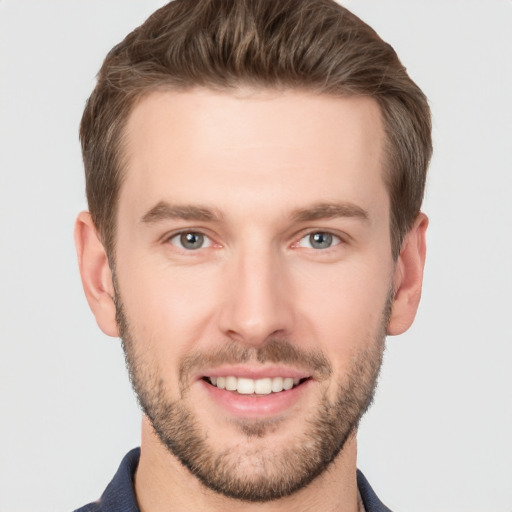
(253, 254)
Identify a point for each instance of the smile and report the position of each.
(246, 386)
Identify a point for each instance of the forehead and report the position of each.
(246, 145)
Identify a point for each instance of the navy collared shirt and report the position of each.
(119, 496)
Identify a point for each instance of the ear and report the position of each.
(408, 277)
(96, 274)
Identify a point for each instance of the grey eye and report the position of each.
(190, 240)
(319, 240)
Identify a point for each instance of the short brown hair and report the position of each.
(314, 45)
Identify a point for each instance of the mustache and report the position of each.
(274, 351)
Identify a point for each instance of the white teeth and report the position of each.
(231, 383)
(221, 382)
(277, 384)
(263, 386)
(246, 386)
(288, 383)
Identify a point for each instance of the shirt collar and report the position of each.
(119, 496)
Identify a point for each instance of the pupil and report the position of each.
(321, 240)
(192, 240)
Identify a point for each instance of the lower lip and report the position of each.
(255, 406)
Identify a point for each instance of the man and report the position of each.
(254, 173)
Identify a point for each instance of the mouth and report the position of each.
(262, 386)
(250, 392)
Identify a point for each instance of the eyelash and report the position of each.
(334, 239)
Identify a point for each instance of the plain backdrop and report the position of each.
(439, 437)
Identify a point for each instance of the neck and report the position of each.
(163, 484)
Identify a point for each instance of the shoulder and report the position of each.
(91, 507)
(119, 496)
(371, 501)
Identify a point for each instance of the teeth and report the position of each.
(231, 383)
(287, 383)
(277, 384)
(246, 386)
(263, 386)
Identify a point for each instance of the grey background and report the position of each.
(439, 437)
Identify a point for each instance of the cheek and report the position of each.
(168, 307)
(343, 310)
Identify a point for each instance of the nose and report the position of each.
(257, 300)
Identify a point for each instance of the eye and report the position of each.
(190, 240)
(319, 240)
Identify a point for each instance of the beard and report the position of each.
(251, 470)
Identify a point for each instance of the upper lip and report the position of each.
(254, 372)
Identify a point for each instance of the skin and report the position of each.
(254, 158)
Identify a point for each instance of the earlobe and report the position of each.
(408, 277)
(95, 273)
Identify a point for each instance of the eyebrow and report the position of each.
(329, 211)
(164, 211)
